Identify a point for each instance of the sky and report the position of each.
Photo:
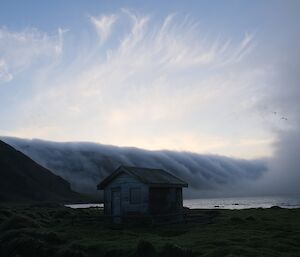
(215, 77)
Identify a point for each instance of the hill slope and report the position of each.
(22, 179)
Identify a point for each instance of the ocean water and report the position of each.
(227, 203)
(243, 202)
(85, 205)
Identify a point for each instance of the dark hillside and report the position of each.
(23, 180)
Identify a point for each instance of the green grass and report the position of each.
(54, 231)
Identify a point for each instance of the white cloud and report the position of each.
(103, 25)
(245, 46)
(5, 76)
(162, 81)
(20, 49)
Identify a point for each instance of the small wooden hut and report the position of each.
(142, 192)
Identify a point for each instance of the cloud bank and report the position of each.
(284, 97)
(84, 165)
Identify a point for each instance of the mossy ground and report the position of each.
(56, 231)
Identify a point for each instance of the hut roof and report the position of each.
(153, 177)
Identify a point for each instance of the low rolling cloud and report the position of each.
(84, 165)
(284, 175)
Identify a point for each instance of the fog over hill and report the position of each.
(85, 164)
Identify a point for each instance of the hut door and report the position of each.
(116, 205)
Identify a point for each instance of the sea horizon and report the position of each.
(244, 202)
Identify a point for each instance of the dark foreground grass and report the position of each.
(56, 231)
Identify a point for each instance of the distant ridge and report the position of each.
(23, 180)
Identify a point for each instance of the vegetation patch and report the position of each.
(55, 231)
(18, 221)
(145, 248)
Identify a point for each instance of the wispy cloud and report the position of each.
(161, 79)
(103, 25)
(19, 50)
(5, 76)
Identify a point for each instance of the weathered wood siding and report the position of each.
(125, 182)
(164, 200)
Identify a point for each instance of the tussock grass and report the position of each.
(18, 221)
(56, 231)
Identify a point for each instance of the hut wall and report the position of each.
(134, 195)
(165, 200)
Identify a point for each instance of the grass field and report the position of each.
(56, 231)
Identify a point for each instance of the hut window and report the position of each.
(135, 195)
